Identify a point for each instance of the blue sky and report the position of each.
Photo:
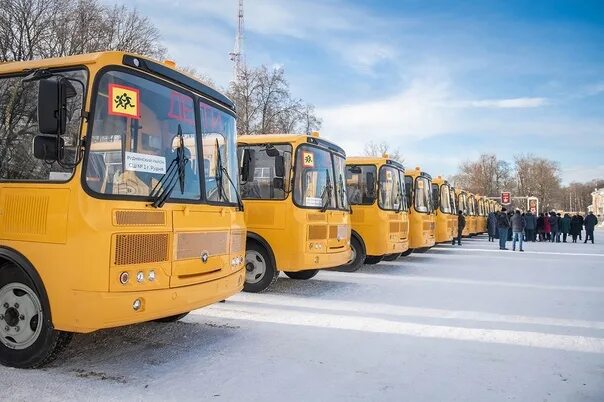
(441, 80)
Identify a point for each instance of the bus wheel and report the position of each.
(27, 338)
(172, 318)
(358, 257)
(260, 273)
(302, 274)
(371, 260)
(407, 252)
(391, 257)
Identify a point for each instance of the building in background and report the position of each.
(597, 203)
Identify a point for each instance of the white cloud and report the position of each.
(582, 173)
(512, 103)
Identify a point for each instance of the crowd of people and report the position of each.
(519, 227)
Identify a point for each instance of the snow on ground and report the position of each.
(468, 323)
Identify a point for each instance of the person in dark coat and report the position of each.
(547, 227)
(541, 227)
(503, 226)
(510, 234)
(575, 227)
(559, 232)
(582, 220)
(531, 225)
(492, 225)
(565, 227)
(461, 223)
(590, 224)
(553, 223)
(518, 224)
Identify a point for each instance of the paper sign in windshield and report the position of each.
(145, 163)
(308, 159)
(123, 101)
(313, 202)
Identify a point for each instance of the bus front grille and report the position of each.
(317, 232)
(141, 248)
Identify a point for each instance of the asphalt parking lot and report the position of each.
(467, 323)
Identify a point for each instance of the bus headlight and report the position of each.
(140, 276)
(151, 276)
(124, 276)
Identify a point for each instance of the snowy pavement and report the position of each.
(468, 323)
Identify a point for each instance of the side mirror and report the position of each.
(247, 165)
(279, 166)
(47, 147)
(354, 169)
(279, 183)
(53, 93)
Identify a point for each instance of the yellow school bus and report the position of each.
(482, 214)
(418, 186)
(463, 205)
(444, 213)
(472, 219)
(380, 225)
(108, 216)
(296, 209)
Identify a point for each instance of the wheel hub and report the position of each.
(255, 266)
(21, 322)
(11, 317)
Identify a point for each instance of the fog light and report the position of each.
(137, 304)
(151, 276)
(140, 276)
(124, 278)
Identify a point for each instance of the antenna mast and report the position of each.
(237, 54)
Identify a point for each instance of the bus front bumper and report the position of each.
(331, 259)
(90, 311)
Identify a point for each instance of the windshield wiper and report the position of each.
(326, 191)
(174, 174)
(220, 170)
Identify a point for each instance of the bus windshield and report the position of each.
(472, 205)
(136, 130)
(445, 199)
(360, 184)
(319, 179)
(453, 200)
(423, 196)
(392, 191)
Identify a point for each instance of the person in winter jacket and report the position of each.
(510, 234)
(565, 226)
(582, 220)
(531, 225)
(518, 224)
(461, 223)
(590, 224)
(503, 225)
(541, 227)
(575, 227)
(559, 232)
(553, 224)
(492, 225)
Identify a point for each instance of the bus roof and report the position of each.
(296, 139)
(417, 172)
(373, 160)
(120, 58)
(440, 180)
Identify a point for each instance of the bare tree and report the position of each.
(32, 29)
(265, 105)
(378, 149)
(486, 176)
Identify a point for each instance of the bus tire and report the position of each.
(358, 253)
(407, 252)
(172, 318)
(391, 257)
(260, 271)
(422, 250)
(27, 336)
(302, 275)
(373, 259)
